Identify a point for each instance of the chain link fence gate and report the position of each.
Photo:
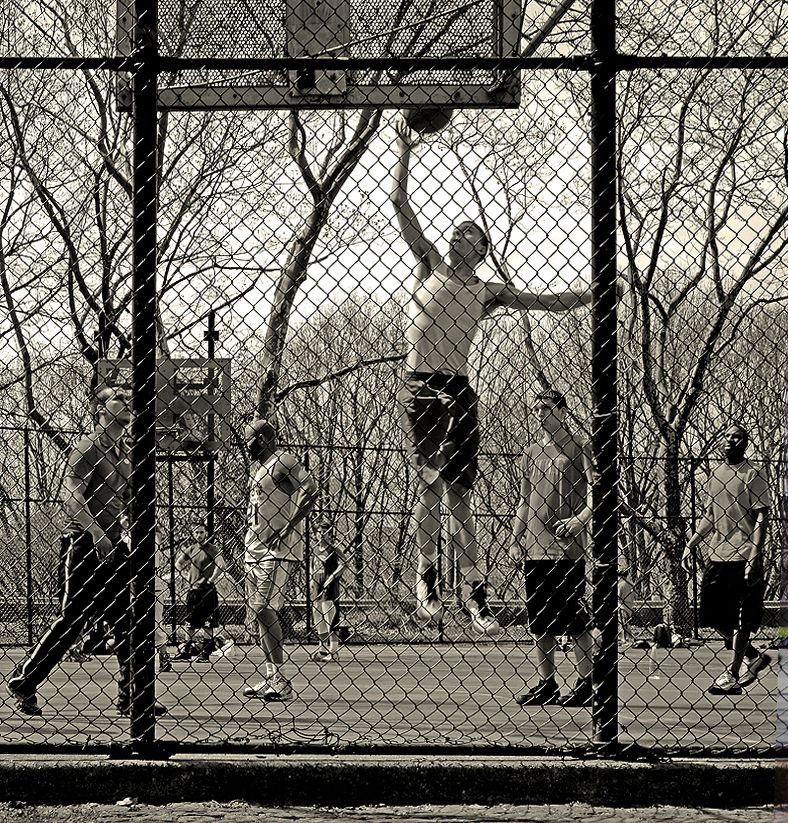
(545, 524)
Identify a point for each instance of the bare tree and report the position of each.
(698, 152)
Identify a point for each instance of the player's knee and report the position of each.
(266, 615)
(430, 484)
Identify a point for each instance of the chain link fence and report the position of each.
(507, 283)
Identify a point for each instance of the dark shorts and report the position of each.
(554, 597)
(202, 607)
(439, 414)
(727, 601)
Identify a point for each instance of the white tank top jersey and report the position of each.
(443, 316)
(271, 508)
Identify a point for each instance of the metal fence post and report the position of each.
(308, 564)
(210, 498)
(143, 477)
(28, 539)
(604, 369)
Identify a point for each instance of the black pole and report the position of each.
(441, 565)
(171, 542)
(143, 450)
(308, 562)
(694, 520)
(604, 713)
(28, 540)
(210, 496)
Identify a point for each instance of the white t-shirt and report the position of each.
(272, 507)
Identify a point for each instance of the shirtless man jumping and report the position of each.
(438, 404)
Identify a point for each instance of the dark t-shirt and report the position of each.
(200, 563)
(102, 467)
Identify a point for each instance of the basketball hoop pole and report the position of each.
(604, 712)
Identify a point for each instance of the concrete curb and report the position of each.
(406, 780)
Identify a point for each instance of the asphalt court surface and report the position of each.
(407, 694)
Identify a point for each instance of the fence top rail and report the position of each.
(584, 62)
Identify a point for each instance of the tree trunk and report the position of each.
(290, 281)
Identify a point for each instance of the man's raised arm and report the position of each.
(425, 252)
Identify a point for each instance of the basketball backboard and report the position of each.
(192, 400)
(265, 30)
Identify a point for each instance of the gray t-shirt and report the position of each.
(558, 491)
(735, 495)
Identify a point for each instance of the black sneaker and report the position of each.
(428, 602)
(483, 621)
(544, 693)
(580, 695)
(754, 668)
(26, 702)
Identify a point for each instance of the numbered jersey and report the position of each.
(271, 509)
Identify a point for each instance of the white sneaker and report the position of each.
(325, 656)
(726, 683)
(279, 689)
(258, 690)
(229, 651)
(483, 621)
(428, 603)
(755, 667)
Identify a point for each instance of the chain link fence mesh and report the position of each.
(414, 565)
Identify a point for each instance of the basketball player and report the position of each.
(282, 494)
(97, 575)
(549, 533)
(203, 563)
(732, 588)
(328, 564)
(438, 404)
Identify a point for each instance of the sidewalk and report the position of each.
(238, 812)
(332, 781)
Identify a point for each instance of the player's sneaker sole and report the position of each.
(721, 691)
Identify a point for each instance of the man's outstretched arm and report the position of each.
(511, 297)
(425, 252)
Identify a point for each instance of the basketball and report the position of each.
(427, 121)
